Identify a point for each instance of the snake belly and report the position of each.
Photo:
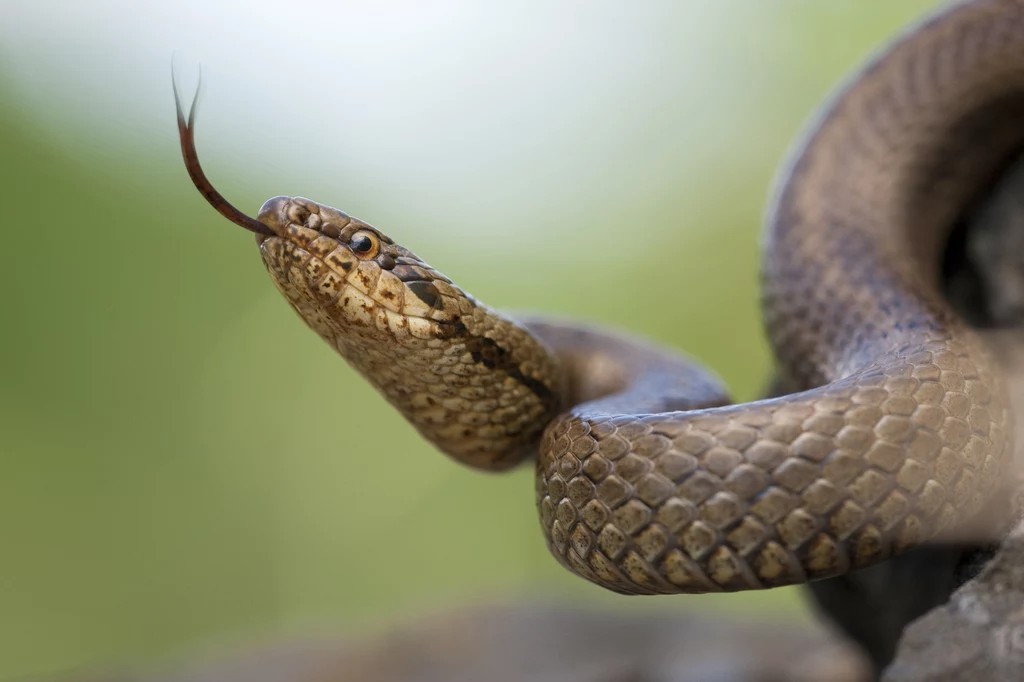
(647, 481)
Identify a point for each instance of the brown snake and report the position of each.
(647, 481)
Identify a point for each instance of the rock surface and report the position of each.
(537, 643)
(978, 635)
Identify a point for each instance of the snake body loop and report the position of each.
(647, 482)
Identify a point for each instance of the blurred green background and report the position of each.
(184, 465)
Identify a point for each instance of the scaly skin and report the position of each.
(646, 483)
(471, 381)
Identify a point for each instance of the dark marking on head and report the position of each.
(298, 214)
(426, 292)
(408, 273)
(493, 356)
(347, 265)
(365, 279)
(449, 330)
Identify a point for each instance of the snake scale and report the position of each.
(647, 479)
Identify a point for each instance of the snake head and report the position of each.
(333, 267)
(473, 382)
(337, 269)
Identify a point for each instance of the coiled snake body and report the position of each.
(647, 481)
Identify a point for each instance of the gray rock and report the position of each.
(544, 642)
(977, 635)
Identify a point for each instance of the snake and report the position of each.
(895, 428)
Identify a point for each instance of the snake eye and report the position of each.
(365, 244)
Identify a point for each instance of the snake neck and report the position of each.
(476, 385)
(609, 372)
(486, 389)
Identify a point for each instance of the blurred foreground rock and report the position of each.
(545, 644)
(978, 635)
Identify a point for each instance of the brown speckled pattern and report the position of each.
(438, 361)
(902, 431)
